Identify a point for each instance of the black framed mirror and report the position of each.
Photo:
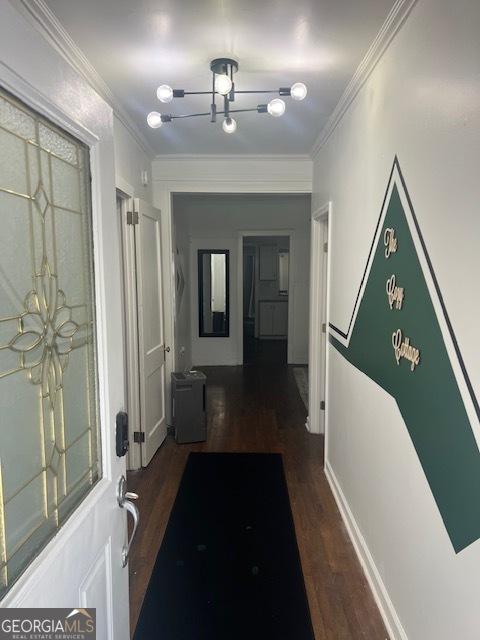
(213, 293)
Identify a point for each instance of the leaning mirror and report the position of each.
(283, 259)
(213, 293)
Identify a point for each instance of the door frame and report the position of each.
(319, 299)
(39, 567)
(125, 193)
(291, 279)
(164, 188)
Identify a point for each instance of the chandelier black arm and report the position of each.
(168, 118)
(187, 115)
(259, 91)
(283, 91)
(239, 111)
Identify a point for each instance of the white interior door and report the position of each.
(151, 343)
(62, 530)
(318, 321)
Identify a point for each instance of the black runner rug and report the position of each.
(229, 566)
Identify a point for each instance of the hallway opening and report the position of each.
(267, 238)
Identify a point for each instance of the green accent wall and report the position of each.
(428, 397)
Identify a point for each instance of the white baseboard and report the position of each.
(380, 593)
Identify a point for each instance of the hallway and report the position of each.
(258, 409)
(262, 192)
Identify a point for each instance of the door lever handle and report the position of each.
(133, 511)
(124, 498)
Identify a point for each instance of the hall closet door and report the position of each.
(144, 331)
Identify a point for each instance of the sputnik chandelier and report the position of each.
(224, 86)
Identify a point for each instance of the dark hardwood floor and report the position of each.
(258, 408)
(264, 352)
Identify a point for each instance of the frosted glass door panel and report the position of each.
(49, 445)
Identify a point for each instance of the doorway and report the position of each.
(265, 284)
(265, 299)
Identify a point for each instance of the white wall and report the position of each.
(421, 103)
(214, 351)
(130, 160)
(232, 174)
(213, 221)
(182, 327)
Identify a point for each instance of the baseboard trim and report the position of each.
(380, 593)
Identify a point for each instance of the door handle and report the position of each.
(133, 510)
(124, 498)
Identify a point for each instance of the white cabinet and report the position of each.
(266, 318)
(280, 319)
(273, 318)
(268, 262)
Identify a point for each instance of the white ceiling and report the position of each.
(135, 45)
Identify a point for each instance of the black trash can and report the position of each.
(189, 397)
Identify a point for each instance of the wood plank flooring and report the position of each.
(258, 408)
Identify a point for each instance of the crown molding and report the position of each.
(384, 37)
(47, 24)
(187, 157)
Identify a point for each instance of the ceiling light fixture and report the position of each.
(222, 84)
(298, 91)
(229, 125)
(165, 93)
(276, 107)
(154, 119)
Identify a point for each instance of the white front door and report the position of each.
(151, 342)
(62, 530)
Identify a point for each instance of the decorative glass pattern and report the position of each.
(49, 456)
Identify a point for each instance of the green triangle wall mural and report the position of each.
(401, 337)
